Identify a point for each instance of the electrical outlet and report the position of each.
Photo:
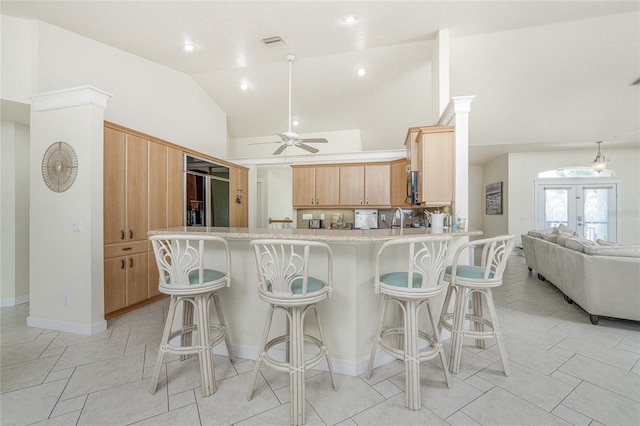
(322, 216)
(65, 300)
(307, 216)
(77, 225)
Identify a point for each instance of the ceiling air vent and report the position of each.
(273, 41)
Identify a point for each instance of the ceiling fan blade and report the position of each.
(263, 143)
(314, 140)
(307, 148)
(280, 149)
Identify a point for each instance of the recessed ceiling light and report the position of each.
(189, 47)
(361, 72)
(295, 122)
(245, 85)
(349, 19)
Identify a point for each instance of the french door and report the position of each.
(587, 205)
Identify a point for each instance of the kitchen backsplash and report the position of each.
(412, 216)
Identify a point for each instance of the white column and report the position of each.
(440, 67)
(66, 228)
(457, 112)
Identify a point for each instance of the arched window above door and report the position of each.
(571, 172)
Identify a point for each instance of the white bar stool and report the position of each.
(477, 282)
(284, 283)
(180, 260)
(411, 288)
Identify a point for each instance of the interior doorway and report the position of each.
(588, 205)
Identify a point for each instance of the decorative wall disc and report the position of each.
(59, 166)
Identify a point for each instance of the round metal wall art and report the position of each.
(59, 166)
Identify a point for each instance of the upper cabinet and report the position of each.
(431, 151)
(365, 185)
(238, 194)
(315, 185)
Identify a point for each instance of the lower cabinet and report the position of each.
(125, 276)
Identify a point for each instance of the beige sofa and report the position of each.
(602, 278)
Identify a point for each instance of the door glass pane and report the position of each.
(556, 207)
(596, 207)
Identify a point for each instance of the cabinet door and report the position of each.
(175, 183)
(137, 278)
(238, 211)
(352, 185)
(377, 184)
(114, 284)
(137, 188)
(399, 184)
(238, 180)
(326, 188)
(304, 184)
(157, 186)
(437, 172)
(114, 186)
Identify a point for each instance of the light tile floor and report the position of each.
(565, 371)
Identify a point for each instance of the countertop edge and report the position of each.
(326, 235)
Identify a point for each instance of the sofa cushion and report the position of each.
(622, 251)
(538, 233)
(564, 228)
(552, 238)
(563, 237)
(578, 244)
(605, 243)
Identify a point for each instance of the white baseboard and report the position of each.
(14, 301)
(69, 327)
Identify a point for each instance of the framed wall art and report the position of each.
(493, 198)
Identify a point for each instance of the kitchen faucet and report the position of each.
(393, 222)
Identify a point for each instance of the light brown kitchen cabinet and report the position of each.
(436, 174)
(125, 275)
(315, 186)
(399, 183)
(238, 197)
(125, 199)
(365, 184)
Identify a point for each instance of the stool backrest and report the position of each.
(426, 255)
(178, 255)
(280, 262)
(495, 253)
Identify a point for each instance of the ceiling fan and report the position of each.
(290, 138)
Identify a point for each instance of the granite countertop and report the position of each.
(326, 235)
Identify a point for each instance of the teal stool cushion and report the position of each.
(400, 279)
(209, 275)
(468, 271)
(313, 284)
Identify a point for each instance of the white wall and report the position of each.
(16, 59)
(524, 168)
(496, 170)
(476, 198)
(14, 214)
(280, 195)
(146, 96)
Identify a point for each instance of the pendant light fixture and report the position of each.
(600, 162)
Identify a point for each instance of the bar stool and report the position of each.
(284, 283)
(475, 281)
(180, 260)
(411, 288)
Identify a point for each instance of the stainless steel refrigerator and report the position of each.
(207, 193)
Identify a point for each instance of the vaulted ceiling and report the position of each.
(547, 95)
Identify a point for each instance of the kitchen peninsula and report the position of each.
(349, 316)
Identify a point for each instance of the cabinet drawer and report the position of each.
(124, 249)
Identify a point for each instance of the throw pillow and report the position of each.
(564, 228)
(605, 243)
(578, 244)
(552, 238)
(563, 237)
